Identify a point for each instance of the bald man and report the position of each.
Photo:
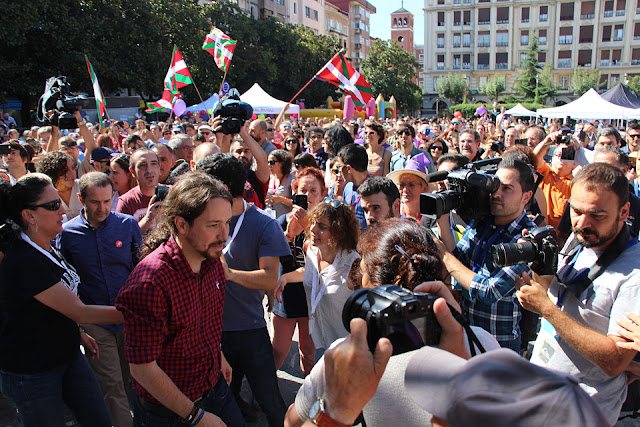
(203, 150)
(258, 130)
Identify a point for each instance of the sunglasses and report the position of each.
(405, 132)
(437, 148)
(205, 133)
(53, 205)
(370, 133)
(272, 162)
(333, 202)
(269, 129)
(291, 141)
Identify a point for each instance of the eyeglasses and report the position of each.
(291, 141)
(317, 136)
(286, 127)
(273, 162)
(335, 171)
(405, 132)
(335, 204)
(53, 205)
(636, 135)
(436, 147)
(269, 129)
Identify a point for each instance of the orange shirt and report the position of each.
(557, 191)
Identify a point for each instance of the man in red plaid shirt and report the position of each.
(173, 303)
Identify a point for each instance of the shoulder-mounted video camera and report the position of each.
(57, 99)
(234, 112)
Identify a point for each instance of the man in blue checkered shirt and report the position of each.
(489, 300)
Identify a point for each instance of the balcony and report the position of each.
(440, 45)
(542, 64)
(502, 66)
(440, 67)
(502, 43)
(588, 16)
(564, 63)
(608, 13)
(565, 39)
(503, 21)
(483, 22)
(466, 23)
(456, 44)
(604, 63)
(524, 20)
(620, 12)
(483, 66)
(457, 23)
(484, 43)
(466, 66)
(616, 62)
(544, 17)
(456, 66)
(586, 40)
(542, 41)
(635, 62)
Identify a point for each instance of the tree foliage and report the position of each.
(546, 87)
(634, 84)
(390, 70)
(452, 87)
(129, 43)
(585, 79)
(526, 81)
(494, 87)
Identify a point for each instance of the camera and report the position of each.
(497, 147)
(161, 192)
(568, 153)
(469, 192)
(406, 318)
(57, 100)
(565, 137)
(233, 112)
(5, 149)
(540, 249)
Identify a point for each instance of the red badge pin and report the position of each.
(118, 244)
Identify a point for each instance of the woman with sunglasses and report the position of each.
(379, 157)
(121, 177)
(279, 190)
(41, 366)
(437, 148)
(292, 145)
(337, 182)
(330, 253)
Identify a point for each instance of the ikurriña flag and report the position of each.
(221, 47)
(339, 72)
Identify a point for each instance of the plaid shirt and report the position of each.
(491, 302)
(174, 316)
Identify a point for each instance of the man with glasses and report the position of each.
(182, 146)
(407, 149)
(314, 137)
(258, 130)
(633, 138)
(101, 160)
(206, 132)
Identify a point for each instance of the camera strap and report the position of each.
(482, 250)
(471, 336)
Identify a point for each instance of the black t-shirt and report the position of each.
(33, 337)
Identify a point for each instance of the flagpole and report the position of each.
(196, 88)
(311, 79)
(223, 79)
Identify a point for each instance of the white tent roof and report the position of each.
(207, 105)
(263, 103)
(519, 110)
(590, 106)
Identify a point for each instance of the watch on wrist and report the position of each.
(318, 415)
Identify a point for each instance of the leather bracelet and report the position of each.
(198, 419)
(192, 415)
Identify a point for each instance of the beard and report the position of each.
(590, 238)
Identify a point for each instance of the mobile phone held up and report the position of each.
(301, 200)
(161, 192)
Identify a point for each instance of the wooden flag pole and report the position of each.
(199, 96)
(311, 79)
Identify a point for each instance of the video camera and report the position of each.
(58, 100)
(234, 112)
(540, 249)
(406, 318)
(469, 191)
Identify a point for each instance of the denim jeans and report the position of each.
(250, 353)
(219, 402)
(515, 345)
(40, 397)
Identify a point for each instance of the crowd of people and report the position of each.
(139, 264)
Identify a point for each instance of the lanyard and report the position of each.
(72, 275)
(236, 229)
(42, 251)
(318, 287)
(481, 254)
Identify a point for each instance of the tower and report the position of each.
(402, 29)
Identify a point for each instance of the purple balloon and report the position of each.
(179, 107)
(481, 111)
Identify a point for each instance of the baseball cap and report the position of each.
(205, 127)
(178, 128)
(100, 154)
(497, 388)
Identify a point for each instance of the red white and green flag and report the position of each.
(221, 47)
(101, 105)
(166, 102)
(339, 72)
(178, 75)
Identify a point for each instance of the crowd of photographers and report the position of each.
(524, 233)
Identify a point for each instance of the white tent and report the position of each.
(519, 110)
(589, 106)
(207, 105)
(263, 103)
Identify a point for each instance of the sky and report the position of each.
(381, 20)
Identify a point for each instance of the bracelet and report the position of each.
(194, 412)
(198, 419)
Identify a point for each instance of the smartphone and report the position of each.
(522, 141)
(568, 153)
(161, 192)
(301, 200)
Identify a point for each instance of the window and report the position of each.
(606, 33)
(457, 1)
(421, 57)
(566, 35)
(503, 15)
(618, 31)
(564, 59)
(466, 40)
(484, 16)
(466, 17)
(605, 56)
(457, 18)
(502, 60)
(621, 5)
(484, 39)
(502, 38)
(482, 81)
(311, 13)
(586, 34)
(584, 58)
(604, 81)
(524, 38)
(435, 82)
(440, 40)
(635, 56)
(524, 14)
(440, 62)
(456, 62)
(615, 57)
(523, 59)
(395, 22)
(457, 40)
(588, 10)
(440, 1)
(466, 61)
(542, 37)
(295, 8)
(440, 19)
(566, 11)
(542, 59)
(544, 13)
(636, 31)
(483, 61)
(608, 8)
(638, 7)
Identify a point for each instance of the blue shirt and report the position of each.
(103, 257)
(399, 160)
(350, 196)
(491, 303)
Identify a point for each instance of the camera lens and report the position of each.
(514, 253)
(357, 305)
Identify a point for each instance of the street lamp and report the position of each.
(537, 91)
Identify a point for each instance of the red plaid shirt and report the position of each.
(174, 316)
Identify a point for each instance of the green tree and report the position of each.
(494, 87)
(390, 71)
(526, 81)
(452, 86)
(633, 83)
(546, 87)
(585, 79)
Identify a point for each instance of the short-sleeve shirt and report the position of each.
(174, 316)
(33, 337)
(557, 192)
(134, 203)
(259, 236)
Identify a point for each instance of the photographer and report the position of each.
(489, 301)
(596, 284)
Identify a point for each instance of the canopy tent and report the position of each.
(263, 103)
(207, 105)
(589, 106)
(519, 110)
(621, 95)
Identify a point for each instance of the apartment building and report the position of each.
(483, 38)
(359, 13)
(337, 24)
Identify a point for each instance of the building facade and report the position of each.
(336, 24)
(359, 12)
(484, 38)
(402, 26)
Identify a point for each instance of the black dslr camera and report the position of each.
(233, 112)
(565, 137)
(540, 249)
(469, 192)
(58, 100)
(406, 318)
